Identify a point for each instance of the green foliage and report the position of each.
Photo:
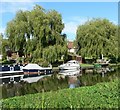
(41, 62)
(20, 60)
(54, 53)
(3, 44)
(86, 65)
(33, 31)
(99, 96)
(6, 62)
(96, 37)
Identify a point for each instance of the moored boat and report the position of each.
(70, 65)
(35, 69)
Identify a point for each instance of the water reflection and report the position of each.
(75, 78)
(73, 81)
(59, 80)
(70, 72)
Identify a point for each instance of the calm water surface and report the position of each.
(70, 79)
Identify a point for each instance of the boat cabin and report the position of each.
(35, 69)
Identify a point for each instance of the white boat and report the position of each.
(70, 65)
(69, 72)
(36, 69)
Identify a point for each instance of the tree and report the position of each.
(54, 53)
(30, 32)
(97, 37)
(56, 26)
(4, 44)
(17, 31)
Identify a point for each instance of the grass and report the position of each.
(114, 64)
(83, 65)
(102, 95)
(55, 68)
(92, 65)
(86, 65)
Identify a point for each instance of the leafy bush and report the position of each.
(5, 62)
(41, 62)
(102, 95)
(20, 60)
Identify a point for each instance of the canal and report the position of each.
(56, 81)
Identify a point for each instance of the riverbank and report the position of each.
(102, 95)
(84, 65)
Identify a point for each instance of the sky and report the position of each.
(73, 13)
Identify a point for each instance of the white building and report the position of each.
(71, 47)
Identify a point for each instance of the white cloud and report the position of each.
(114, 22)
(13, 7)
(70, 27)
(2, 30)
(72, 23)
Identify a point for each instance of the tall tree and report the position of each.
(97, 37)
(17, 31)
(56, 26)
(30, 32)
(54, 53)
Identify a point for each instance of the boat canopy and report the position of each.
(32, 66)
(72, 61)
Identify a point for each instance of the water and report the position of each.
(60, 80)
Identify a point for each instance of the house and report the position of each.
(71, 47)
(72, 52)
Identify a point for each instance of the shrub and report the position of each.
(99, 96)
(5, 62)
(41, 62)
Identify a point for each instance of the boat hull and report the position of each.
(70, 65)
(69, 68)
(70, 72)
(38, 72)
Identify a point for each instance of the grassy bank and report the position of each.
(102, 95)
(84, 65)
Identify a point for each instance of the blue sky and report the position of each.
(73, 13)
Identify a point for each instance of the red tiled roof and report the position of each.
(70, 45)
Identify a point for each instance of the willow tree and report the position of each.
(54, 53)
(97, 37)
(17, 31)
(56, 27)
(32, 31)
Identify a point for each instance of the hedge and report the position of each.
(102, 95)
